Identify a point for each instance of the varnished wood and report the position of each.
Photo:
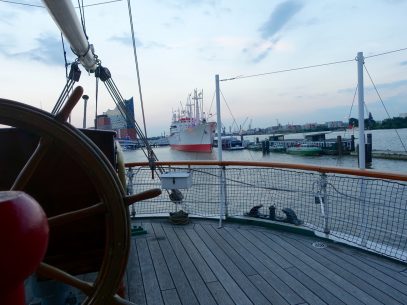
(73, 216)
(32, 164)
(142, 196)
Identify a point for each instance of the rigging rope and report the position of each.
(308, 67)
(96, 102)
(82, 14)
(118, 99)
(210, 107)
(287, 70)
(381, 100)
(41, 6)
(63, 49)
(234, 120)
(385, 53)
(137, 68)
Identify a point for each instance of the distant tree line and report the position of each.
(370, 123)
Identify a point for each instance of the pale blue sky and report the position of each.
(183, 44)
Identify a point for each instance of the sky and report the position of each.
(183, 44)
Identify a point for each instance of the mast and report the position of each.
(362, 157)
(196, 104)
(64, 15)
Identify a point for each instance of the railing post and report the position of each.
(323, 199)
(222, 195)
(129, 189)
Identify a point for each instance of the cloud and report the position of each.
(403, 63)
(174, 21)
(126, 40)
(383, 86)
(157, 45)
(280, 16)
(183, 4)
(270, 31)
(49, 51)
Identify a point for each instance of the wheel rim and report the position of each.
(100, 172)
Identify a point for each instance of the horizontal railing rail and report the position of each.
(320, 169)
(364, 208)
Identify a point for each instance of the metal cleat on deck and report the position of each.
(290, 216)
(137, 230)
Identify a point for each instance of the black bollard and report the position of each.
(339, 145)
(368, 150)
(352, 143)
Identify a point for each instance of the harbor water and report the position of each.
(382, 140)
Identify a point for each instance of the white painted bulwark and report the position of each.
(176, 180)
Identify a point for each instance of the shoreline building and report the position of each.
(112, 119)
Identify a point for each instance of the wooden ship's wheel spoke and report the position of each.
(89, 207)
(51, 272)
(99, 208)
(71, 217)
(32, 164)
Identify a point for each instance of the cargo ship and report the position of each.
(190, 129)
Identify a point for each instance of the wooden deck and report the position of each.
(238, 264)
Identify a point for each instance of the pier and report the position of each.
(134, 144)
(387, 154)
(338, 146)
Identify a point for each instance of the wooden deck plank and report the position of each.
(150, 281)
(184, 289)
(196, 257)
(289, 287)
(291, 281)
(272, 295)
(233, 289)
(134, 285)
(392, 278)
(202, 292)
(231, 252)
(378, 262)
(320, 268)
(370, 284)
(245, 284)
(171, 297)
(314, 286)
(160, 265)
(294, 257)
(220, 294)
(201, 264)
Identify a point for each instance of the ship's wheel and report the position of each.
(111, 207)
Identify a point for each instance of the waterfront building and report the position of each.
(112, 119)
